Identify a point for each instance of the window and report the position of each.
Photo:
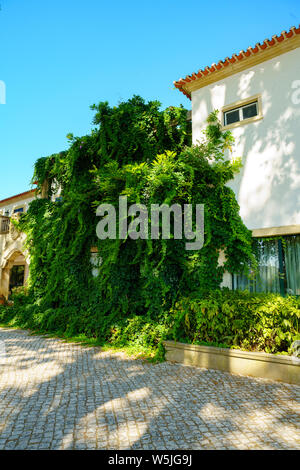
(278, 267)
(20, 209)
(242, 112)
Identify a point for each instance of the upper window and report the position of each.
(239, 114)
(242, 112)
(20, 209)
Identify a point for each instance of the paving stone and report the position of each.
(56, 395)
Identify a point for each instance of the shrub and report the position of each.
(260, 322)
(255, 322)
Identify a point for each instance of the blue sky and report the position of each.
(58, 57)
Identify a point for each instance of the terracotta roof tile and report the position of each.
(242, 55)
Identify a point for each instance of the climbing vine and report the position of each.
(135, 150)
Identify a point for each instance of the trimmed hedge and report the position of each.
(255, 322)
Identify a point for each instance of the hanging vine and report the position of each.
(141, 152)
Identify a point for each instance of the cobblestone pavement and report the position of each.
(55, 395)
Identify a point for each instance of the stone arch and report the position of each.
(12, 257)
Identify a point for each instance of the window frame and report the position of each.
(239, 105)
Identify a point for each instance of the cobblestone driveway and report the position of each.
(55, 395)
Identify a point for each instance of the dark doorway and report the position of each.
(16, 277)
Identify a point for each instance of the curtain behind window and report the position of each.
(292, 264)
(267, 278)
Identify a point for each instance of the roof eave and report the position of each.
(18, 196)
(269, 49)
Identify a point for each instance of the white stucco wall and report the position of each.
(268, 187)
(15, 204)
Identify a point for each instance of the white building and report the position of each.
(257, 94)
(16, 204)
(14, 260)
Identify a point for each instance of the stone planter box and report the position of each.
(255, 364)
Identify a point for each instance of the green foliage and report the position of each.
(144, 153)
(223, 318)
(260, 322)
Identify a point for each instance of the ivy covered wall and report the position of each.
(139, 151)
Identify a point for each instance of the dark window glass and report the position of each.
(250, 111)
(16, 276)
(21, 209)
(232, 116)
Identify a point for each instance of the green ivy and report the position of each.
(258, 322)
(144, 153)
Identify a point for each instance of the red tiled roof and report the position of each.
(18, 195)
(243, 55)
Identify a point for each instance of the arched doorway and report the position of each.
(17, 273)
(14, 273)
